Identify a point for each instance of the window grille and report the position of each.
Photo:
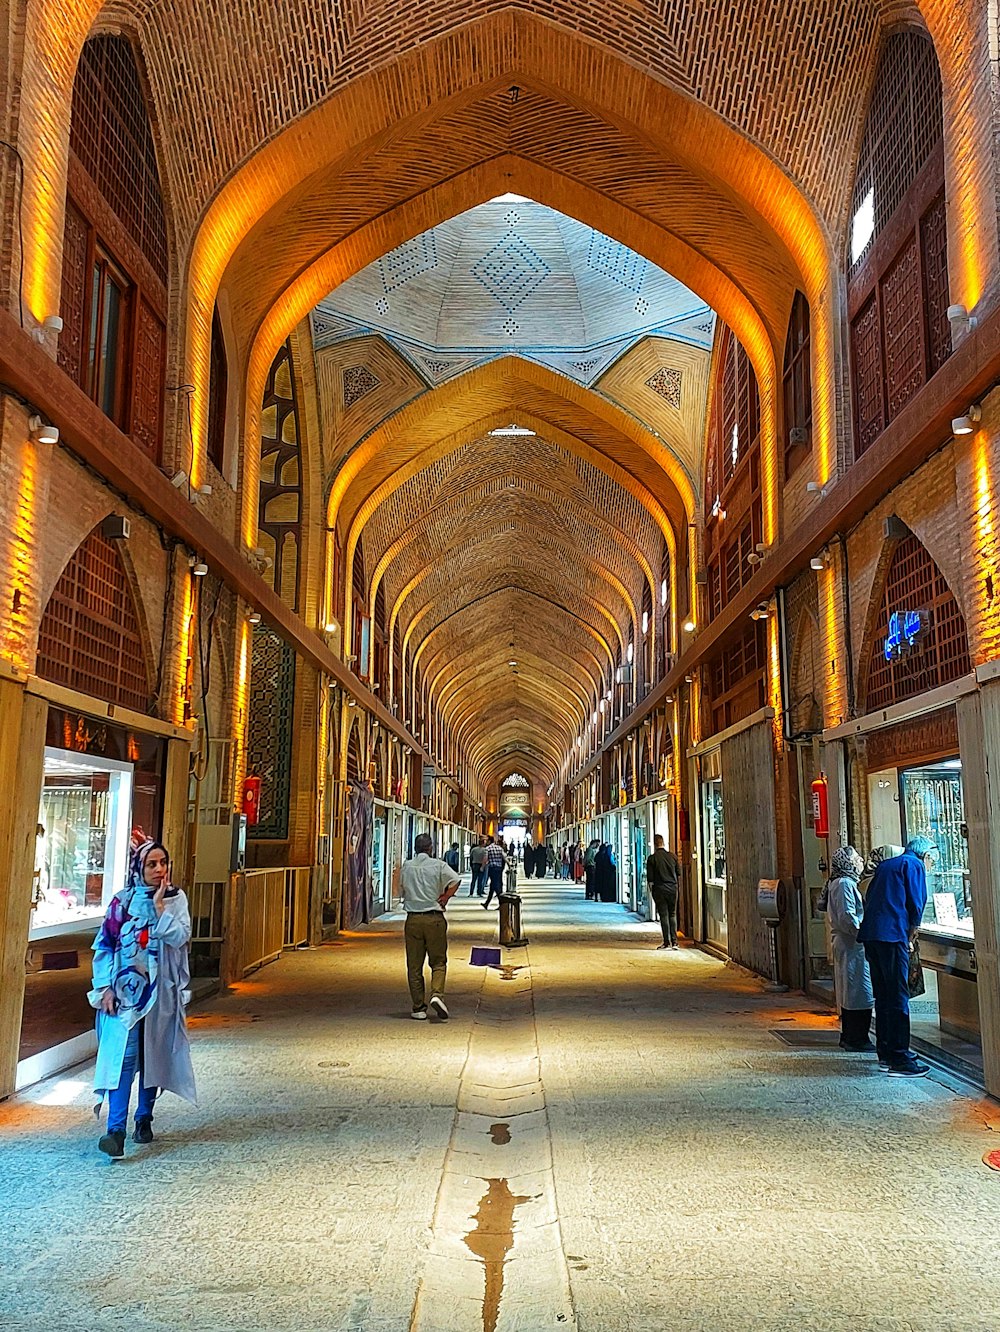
(736, 679)
(898, 287)
(89, 638)
(111, 135)
(269, 730)
(941, 652)
(279, 522)
(797, 386)
(218, 386)
(740, 408)
(903, 127)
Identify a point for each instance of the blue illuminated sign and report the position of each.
(905, 629)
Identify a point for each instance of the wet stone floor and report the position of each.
(603, 1137)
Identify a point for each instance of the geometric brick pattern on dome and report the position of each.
(667, 383)
(358, 382)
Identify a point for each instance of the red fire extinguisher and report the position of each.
(821, 807)
(251, 800)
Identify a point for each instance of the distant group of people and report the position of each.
(875, 908)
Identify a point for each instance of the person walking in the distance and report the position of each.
(477, 865)
(426, 886)
(496, 863)
(663, 875)
(452, 858)
(893, 909)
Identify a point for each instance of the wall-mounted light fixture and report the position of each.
(816, 488)
(42, 432)
(199, 568)
(254, 618)
(50, 324)
(689, 626)
(966, 425)
(761, 612)
(960, 319)
(819, 562)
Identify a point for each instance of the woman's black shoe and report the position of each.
(113, 1145)
(143, 1131)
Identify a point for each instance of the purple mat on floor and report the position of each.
(484, 957)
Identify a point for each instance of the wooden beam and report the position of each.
(32, 375)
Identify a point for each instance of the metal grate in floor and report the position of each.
(807, 1038)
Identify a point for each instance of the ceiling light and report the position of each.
(512, 429)
(512, 663)
(966, 425)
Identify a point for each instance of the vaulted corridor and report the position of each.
(604, 1136)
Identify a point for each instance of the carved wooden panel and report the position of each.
(147, 381)
(73, 300)
(902, 329)
(866, 359)
(934, 263)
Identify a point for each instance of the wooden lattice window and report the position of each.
(113, 301)
(279, 517)
(737, 679)
(89, 638)
(898, 260)
(733, 511)
(797, 387)
(914, 586)
(111, 136)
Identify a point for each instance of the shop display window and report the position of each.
(933, 806)
(82, 842)
(715, 832)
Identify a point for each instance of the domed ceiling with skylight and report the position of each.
(513, 276)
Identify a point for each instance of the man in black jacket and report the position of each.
(663, 873)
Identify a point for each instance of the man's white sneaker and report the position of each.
(420, 1014)
(439, 1007)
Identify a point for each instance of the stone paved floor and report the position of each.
(608, 1138)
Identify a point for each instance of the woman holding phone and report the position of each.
(141, 981)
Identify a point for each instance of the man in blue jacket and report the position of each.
(894, 906)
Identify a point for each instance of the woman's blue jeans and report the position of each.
(119, 1098)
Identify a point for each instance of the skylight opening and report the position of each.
(513, 429)
(511, 198)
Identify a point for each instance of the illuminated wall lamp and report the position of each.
(254, 618)
(959, 318)
(966, 425)
(42, 432)
(818, 563)
(199, 568)
(689, 626)
(50, 324)
(761, 612)
(816, 488)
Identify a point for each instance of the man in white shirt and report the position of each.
(426, 887)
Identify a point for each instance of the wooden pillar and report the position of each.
(22, 744)
(979, 743)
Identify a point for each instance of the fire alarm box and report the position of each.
(251, 800)
(821, 807)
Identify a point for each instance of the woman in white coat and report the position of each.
(852, 981)
(141, 981)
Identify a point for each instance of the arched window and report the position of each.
(279, 519)
(898, 246)
(113, 303)
(89, 637)
(797, 387)
(270, 729)
(918, 640)
(733, 497)
(218, 386)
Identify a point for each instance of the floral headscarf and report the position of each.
(846, 863)
(127, 933)
(880, 853)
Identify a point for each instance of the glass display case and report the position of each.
(82, 840)
(933, 806)
(714, 861)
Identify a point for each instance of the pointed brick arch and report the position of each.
(90, 637)
(910, 581)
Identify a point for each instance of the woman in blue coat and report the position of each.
(141, 989)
